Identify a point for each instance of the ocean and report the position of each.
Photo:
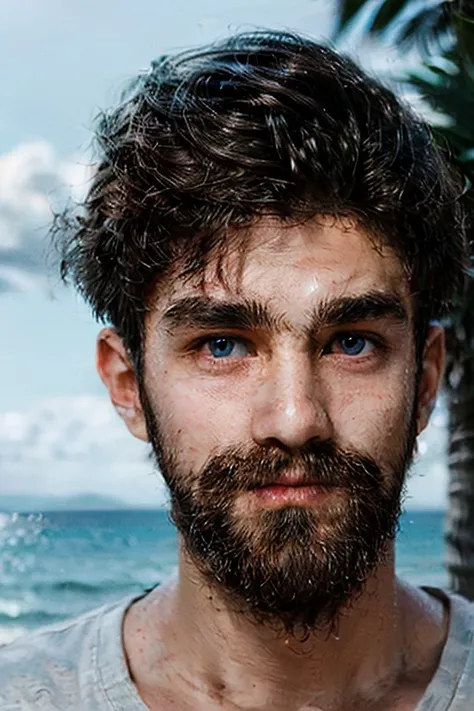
(60, 564)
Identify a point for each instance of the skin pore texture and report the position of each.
(307, 373)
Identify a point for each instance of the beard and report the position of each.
(294, 568)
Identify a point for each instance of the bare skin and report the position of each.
(186, 651)
(186, 647)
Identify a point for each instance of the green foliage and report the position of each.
(408, 20)
(348, 9)
(444, 33)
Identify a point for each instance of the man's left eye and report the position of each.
(352, 345)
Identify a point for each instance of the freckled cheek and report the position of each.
(198, 418)
(370, 419)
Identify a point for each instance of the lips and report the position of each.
(292, 479)
(296, 494)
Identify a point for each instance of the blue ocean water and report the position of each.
(57, 565)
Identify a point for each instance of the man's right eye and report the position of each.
(224, 347)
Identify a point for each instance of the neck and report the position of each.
(224, 656)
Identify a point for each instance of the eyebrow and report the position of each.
(248, 314)
(371, 306)
(203, 312)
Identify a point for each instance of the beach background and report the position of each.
(64, 454)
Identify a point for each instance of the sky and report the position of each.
(62, 62)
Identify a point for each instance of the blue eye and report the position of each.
(353, 345)
(221, 347)
(225, 347)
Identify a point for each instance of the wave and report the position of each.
(30, 618)
(82, 588)
(10, 632)
(76, 586)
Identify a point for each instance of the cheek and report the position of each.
(373, 418)
(196, 418)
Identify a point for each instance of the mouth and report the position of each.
(290, 478)
(291, 490)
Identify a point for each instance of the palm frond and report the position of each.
(450, 93)
(391, 11)
(463, 23)
(429, 29)
(402, 22)
(348, 9)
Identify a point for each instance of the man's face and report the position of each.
(281, 410)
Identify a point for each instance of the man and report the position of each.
(270, 236)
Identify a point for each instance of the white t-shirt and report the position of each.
(79, 665)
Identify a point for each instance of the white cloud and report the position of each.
(33, 182)
(67, 446)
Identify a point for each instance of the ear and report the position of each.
(432, 369)
(118, 375)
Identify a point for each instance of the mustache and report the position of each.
(236, 470)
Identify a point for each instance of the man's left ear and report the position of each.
(432, 369)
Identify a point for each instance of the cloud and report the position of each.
(75, 445)
(33, 183)
(71, 445)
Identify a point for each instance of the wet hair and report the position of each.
(266, 123)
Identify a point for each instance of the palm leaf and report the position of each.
(463, 23)
(389, 12)
(348, 9)
(426, 28)
(424, 24)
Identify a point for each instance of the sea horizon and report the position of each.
(87, 501)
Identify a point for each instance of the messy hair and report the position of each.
(266, 123)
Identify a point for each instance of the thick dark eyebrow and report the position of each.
(371, 306)
(247, 315)
(203, 312)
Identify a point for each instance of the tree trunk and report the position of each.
(460, 518)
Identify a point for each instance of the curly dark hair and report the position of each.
(262, 123)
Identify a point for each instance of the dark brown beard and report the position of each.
(293, 568)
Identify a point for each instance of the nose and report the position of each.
(290, 408)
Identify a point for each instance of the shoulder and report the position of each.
(462, 632)
(455, 676)
(54, 667)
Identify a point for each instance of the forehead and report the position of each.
(292, 266)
